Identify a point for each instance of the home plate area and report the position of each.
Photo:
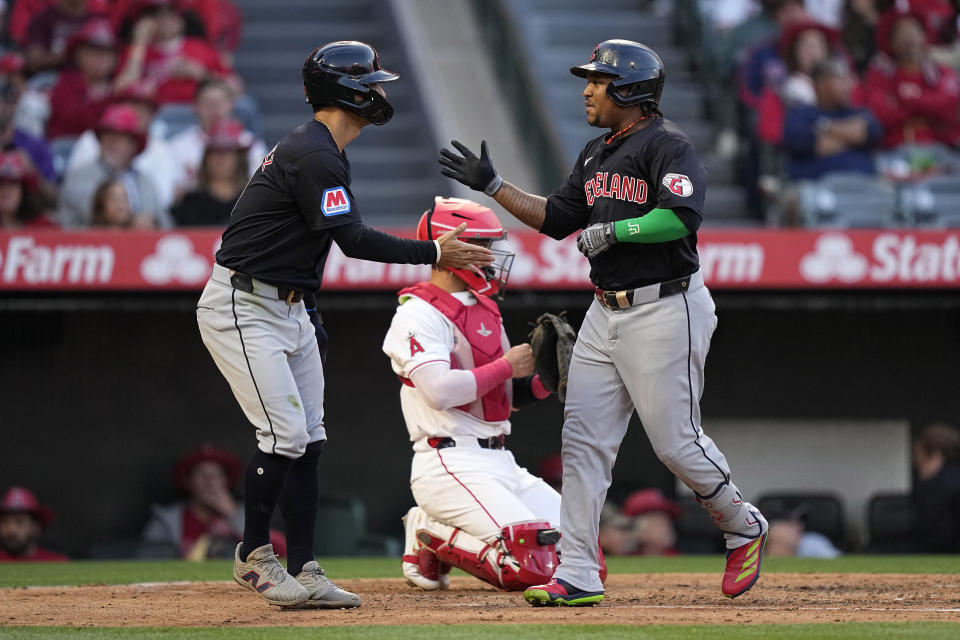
(631, 599)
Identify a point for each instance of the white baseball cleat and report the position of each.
(420, 565)
(324, 593)
(263, 574)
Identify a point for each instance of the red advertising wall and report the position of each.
(741, 259)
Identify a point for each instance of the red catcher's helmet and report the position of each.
(483, 227)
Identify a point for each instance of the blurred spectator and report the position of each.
(764, 66)
(122, 136)
(550, 470)
(162, 56)
(653, 532)
(789, 537)
(214, 103)
(22, 520)
(828, 12)
(223, 175)
(156, 160)
(936, 491)
(221, 21)
(112, 209)
(913, 97)
(84, 89)
(859, 31)
(831, 135)
(615, 531)
(33, 105)
(803, 45)
(49, 30)
(35, 149)
(208, 522)
(18, 186)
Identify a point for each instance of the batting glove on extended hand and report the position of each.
(476, 173)
(596, 239)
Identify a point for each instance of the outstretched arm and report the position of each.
(526, 207)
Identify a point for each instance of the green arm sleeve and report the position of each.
(660, 225)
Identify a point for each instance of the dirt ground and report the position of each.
(631, 599)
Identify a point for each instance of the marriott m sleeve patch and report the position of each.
(323, 192)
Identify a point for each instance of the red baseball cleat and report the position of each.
(743, 567)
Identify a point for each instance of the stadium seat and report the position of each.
(933, 202)
(696, 532)
(912, 162)
(891, 524)
(822, 513)
(848, 200)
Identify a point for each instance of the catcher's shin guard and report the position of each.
(465, 552)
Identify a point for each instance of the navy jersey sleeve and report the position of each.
(567, 209)
(323, 191)
(680, 180)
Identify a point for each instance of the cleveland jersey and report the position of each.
(278, 230)
(420, 334)
(656, 167)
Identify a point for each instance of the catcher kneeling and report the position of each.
(476, 508)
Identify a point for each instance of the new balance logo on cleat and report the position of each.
(254, 579)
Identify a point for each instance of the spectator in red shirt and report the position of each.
(160, 54)
(209, 522)
(48, 32)
(83, 91)
(22, 520)
(914, 98)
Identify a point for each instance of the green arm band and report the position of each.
(660, 225)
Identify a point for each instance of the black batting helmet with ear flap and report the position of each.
(343, 74)
(638, 73)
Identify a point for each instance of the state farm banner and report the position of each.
(741, 259)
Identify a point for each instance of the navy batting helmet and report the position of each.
(634, 66)
(343, 74)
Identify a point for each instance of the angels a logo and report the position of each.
(678, 184)
(415, 347)
(335, 202)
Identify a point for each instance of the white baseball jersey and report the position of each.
(419, 335)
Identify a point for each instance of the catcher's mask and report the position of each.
(483, 228)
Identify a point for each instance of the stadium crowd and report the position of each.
(802, 90)
(122, 114)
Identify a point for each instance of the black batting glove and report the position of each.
(476, 173)
(596, 239)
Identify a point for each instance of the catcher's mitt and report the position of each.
(552, 342)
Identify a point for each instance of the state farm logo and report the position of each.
(174, 260)
(25, 261)
(893, 258)
(833, 257)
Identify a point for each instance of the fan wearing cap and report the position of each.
(161, 54)
(213, 104)
(208, 522)
(914, 98)
(18, 190)
(122, 137)
(22, 520)
(156, 160)
(223, 174)
(84, 88)
(652, 532)
(477, 509)
(35, 148)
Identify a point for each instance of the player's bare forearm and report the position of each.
(526, 207)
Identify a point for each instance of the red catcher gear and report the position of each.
(479, 327)
(482, 224)
(534, 546)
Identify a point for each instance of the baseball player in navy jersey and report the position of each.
(637, 193)
(267, 343)
(477, 509)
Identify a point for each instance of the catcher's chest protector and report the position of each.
(478, 340)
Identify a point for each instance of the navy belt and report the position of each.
(244, 282)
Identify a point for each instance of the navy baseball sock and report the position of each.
(262, 483)
(298, 504)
